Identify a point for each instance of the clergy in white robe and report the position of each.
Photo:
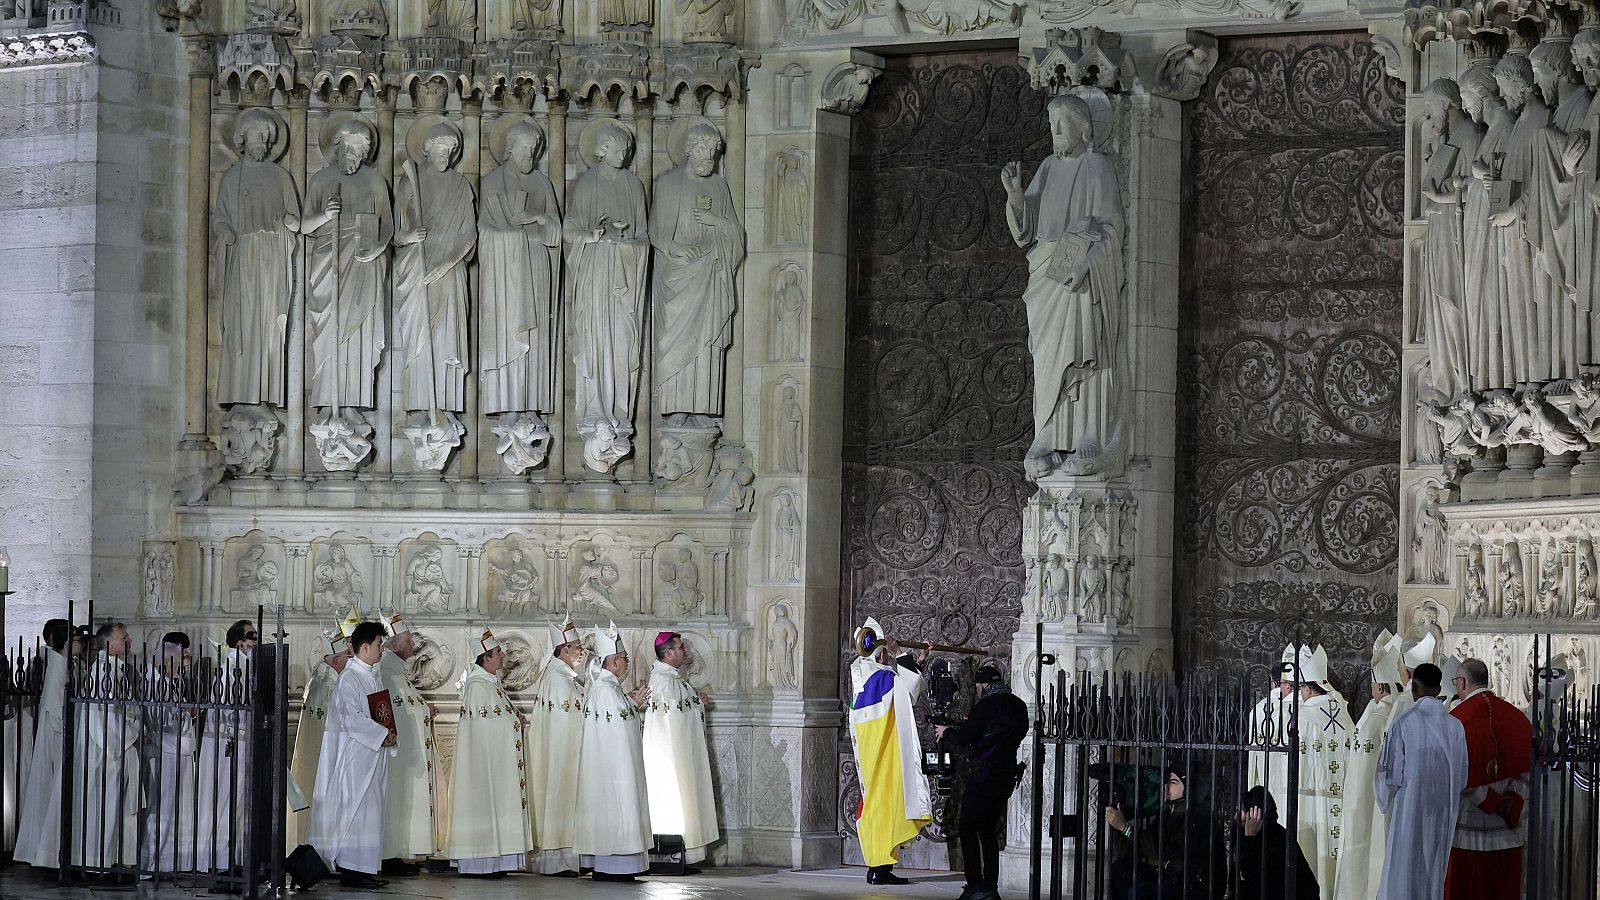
(895, 801)
(1418, 786)
(39, 831)
(347, 806)
(1415, 655)
(309, 729)
(490, 832)
(171, 741)
(614, 833)
(556, 738)
(1362, 833)
(105, 787)
(1269, 725)
(1324, 724)
(677, 764)
(225, 757)
(408, 816)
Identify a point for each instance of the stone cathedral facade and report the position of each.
(750, 318)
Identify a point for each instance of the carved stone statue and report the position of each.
(699, 246)
(1184, 71)
(1517, 236)
(783, 636)
(596, 577)
(256, 223)
(158, 571)
(1451, 143)
(255, 579)
(1584, 414)
(427, 587)
(519, 265)
(789, 324)
(1057, 589)
(1092, 589)
(607, 254)
(791, 199)
(1476, 599)
(1513, 589)
(517, 579)
(1560, 342)
(433, 664)
(1430, 544)
(1070, 220)
(1552, 575)
(732, 480)
(250, 438)
(336, 582)
(1584, 229)
(1584, 603)
(349, 220)
(1491, 416)
(1454, 423)
(435, 234)
(786, 540)
(1483, 285)
(789, 421)
(626, 15)
(705, 20)
(1537, 422)
(682, 577)
(535, 15)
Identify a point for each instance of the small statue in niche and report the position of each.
(1430, 545)
(1513, 591)
(792, 190)
(596, 577)
(518, 581)
(337, 582)
(1476, 602)
(1092, 589)
(789, 417)
(783, 636)
(1552, 575)
(1057, 588)
(786, 540)
(427, 587)
(1584, 603)
(789, 326)
(682, 576)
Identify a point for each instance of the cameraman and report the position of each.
(1176, 853)
(992, 732)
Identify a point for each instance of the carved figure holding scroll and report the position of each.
(436, 235)
(256, 224)
(520, 267)
(607, 254)
(699, 246)
(1070, 220)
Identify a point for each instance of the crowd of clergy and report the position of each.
(162, 791)
(1421, 799)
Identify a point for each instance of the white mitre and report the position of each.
(487, 641)
(1312, 664)
(565, 633)
(877, 629)
(395, 626)
(1419, 653)
(608, 642)
(1386, 658)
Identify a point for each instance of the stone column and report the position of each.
(733, 388)
(472, 167)
(555, 463)
(198, 460)
(644, 417)
(295, 395)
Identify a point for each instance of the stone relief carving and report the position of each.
(1070, 221)
(514, 577)
(626, 15)
(699, 247)
(428, 588)
(1430, 542)
(788, 428)
(519, 260)
(250, 438)
(536, 15)
(522, 664)
(337, 585)
(1184, 70)
(790, 313)
(160, 561)
(255, 222)
(845, 89)
(1427, 446)
(1092, 588)
(705, 20)
(433, 665)
(366, 18)
(684, 457)
(594, 580)
(783, 639)
(677, 569)
(343, 439)
(1057, 589)
(607, 255)
(732, 481)
(789, 199)
(255, 580)
(1513, 587)
(1476, 600)
(784, 552)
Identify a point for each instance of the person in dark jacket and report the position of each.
(1176, 854)
(991, 734)
(1260, 873)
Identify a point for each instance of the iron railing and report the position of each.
(1563, 857)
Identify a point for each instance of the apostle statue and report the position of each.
(490, 830)
(626, 15)
(519, 261)
(705, 20)
(1483, 285)
(677, 763)
(105, 788)
(349, 220)
(557, 736)
(1561, 341)
(1363, 827)
(614, 833)
(256, 224)
(408, 817)
(1451, 145)
(1516, 237)
(347, 807)
(309, 727)
(607, 255)
(39, 819)
(225, 747)
(1070, 221)
(1585, 225)
(699, 246)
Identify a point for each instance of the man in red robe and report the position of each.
(1486, 855)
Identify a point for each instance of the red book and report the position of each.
(381, 708)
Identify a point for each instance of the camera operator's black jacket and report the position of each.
(1160, 844)
(993, 731)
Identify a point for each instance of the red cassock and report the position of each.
(1499, 756)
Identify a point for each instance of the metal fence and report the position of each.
(1563, 816)
(169, 766)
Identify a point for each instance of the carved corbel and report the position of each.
(1073, 58)
(252, 65)
(1185, 68)
(700, 67)
(845, 90)
(341, 67)
(523, 68)
(602, 68)
(431, 68)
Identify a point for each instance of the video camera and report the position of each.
(1136, 790)
(939, 762)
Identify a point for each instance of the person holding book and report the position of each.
(347, 806)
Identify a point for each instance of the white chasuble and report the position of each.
(224, 771)
(39, 822)
(347, 807)
(1324, 727)
(556, 736)
(105, 787)
(408, 821)
(677, 763)
(614, 807)
(488, 794)
(1364, 826)
(308, 746)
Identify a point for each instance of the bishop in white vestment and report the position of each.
(1324, 724)
(105, 785)
(39, 831)
(1362, 835)
(490, 831)
(677, 764)
(614, 832)
(556, 739)
(1418, 785)
(408, 818)
(347, 806)
(309, 729)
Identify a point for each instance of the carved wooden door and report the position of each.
(1290, 384)
(938, 407)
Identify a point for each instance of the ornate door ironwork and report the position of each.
(938, 408)
(1290, 387)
